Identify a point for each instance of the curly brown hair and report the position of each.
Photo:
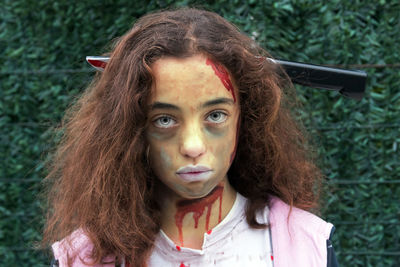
(100, 179)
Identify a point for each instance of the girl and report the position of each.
(183, 153)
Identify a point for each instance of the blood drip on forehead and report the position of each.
(223, 75)
(197, 207)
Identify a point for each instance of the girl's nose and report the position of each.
(192, 144)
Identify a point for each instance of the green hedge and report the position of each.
(42, 49)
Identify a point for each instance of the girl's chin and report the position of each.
(192, 194)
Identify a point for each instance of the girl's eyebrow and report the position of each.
(217, 101)
(161, 105)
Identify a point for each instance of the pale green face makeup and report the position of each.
(192, 122)
(165, 158)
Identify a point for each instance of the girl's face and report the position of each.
(192, 125)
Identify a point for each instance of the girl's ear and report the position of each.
(98, 63)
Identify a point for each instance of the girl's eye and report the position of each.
(164, 122)
(217, 117)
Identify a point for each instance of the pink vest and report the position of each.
(299, 241)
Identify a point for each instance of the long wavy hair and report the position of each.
(100, 180)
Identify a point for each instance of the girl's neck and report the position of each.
(185, 221)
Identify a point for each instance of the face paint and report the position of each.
(156, 135)
(223, 75)
(236, 141)
(164, 156)
(191, 121)
(216, 132)
(197, 207)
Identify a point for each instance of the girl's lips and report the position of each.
(193, 173)
(195, 176)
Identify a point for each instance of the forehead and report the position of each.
(187, 80)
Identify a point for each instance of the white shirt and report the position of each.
(231, 243)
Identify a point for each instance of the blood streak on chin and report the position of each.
(223, 75)
(197, 206)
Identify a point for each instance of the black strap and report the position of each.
(332, 261)
(54, 263)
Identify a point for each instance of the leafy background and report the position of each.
(42, 69)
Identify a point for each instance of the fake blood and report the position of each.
(97, 63)
(223, 75)
(197, 207)
(182, 265)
